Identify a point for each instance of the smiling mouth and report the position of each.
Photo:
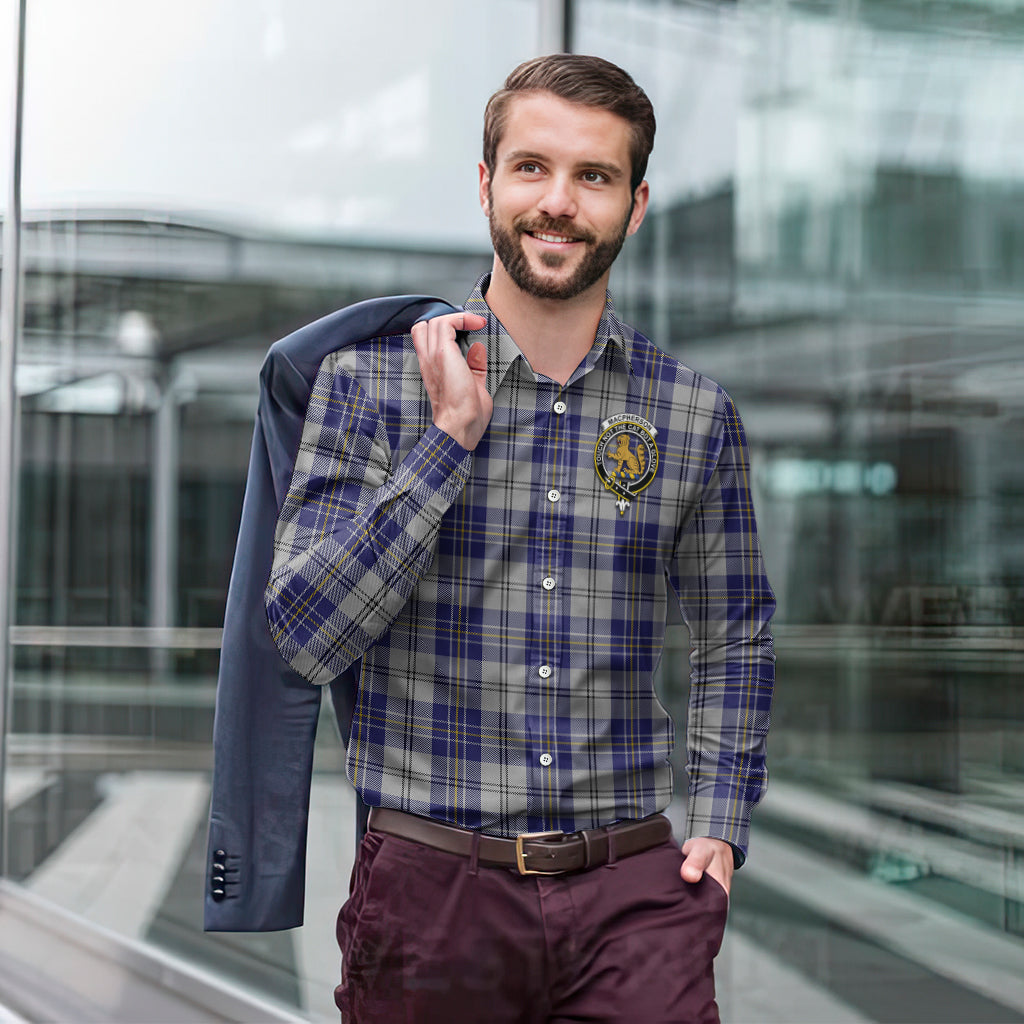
(544, 236)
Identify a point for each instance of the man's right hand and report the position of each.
(457, 386)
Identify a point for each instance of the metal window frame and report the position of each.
(10, 326)
(554, 26)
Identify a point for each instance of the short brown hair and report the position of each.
(577, 78)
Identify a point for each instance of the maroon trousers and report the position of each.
(432, 938)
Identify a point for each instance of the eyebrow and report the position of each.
(611, 170)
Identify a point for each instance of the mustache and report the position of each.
(552, 226)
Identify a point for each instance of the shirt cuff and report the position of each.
(444, 443)
(706, 817)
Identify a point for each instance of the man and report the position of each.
(492, 515)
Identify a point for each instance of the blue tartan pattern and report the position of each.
(508, 617)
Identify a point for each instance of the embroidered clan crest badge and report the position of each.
(626, 456)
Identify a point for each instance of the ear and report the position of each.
(485, 183)
(641, 197)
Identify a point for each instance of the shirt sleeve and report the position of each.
(726, 601)
(354, 534)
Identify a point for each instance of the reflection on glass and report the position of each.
(331, 120)
(836, 236)
(200, 179)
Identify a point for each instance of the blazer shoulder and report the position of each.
(371, 318)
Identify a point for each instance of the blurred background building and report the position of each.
(836, 235)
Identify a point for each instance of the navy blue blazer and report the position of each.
(266, 714)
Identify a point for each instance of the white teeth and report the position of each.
(551, 238)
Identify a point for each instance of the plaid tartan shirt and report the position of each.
(509, 604)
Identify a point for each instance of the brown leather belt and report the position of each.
(530, 853)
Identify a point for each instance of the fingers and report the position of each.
(448, 324)
(696, 863)
(704, 854)
(473, 321)
(434, 339)
(477, 357)
(456, 386)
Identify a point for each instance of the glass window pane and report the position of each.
(836, 236)
(200, 178)
(357, 120)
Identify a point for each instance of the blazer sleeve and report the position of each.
(266, 714)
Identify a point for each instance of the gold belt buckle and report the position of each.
(521, 856)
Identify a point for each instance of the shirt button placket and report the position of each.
(550, 542)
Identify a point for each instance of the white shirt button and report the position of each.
(560, 407)
(554, 494)
(544, 671)
(548, 583)
(546, 759)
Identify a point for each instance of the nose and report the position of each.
(559, 198)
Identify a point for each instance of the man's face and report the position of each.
(559, 203)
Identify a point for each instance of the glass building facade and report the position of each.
(836, 235)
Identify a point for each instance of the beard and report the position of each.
(599, 255)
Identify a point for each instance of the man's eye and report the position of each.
(529, 168)
(593, 177)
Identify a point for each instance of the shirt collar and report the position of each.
(502, 351)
